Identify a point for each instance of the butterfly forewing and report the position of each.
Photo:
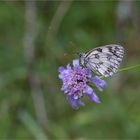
(104, 60)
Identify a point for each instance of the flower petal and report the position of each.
(68, 67)
(75, 62)
(61, 76)
(99, 83)
(94, 98)
(61, 69)
(88, 90)
(72, 102)
(64, 89)
(80, 102)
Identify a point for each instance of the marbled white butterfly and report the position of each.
(103, 60)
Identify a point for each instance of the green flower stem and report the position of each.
(125, 69)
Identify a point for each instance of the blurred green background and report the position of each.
(36, 37)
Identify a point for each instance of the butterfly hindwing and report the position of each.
(105, 60)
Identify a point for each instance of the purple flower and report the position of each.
(75, 84)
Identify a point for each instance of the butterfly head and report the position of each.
(81, 58)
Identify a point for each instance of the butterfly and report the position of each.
(104, 60)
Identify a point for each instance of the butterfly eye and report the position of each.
(80, 55)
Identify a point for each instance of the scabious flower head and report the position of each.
(75, 84)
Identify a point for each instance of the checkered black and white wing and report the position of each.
(104, 60)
